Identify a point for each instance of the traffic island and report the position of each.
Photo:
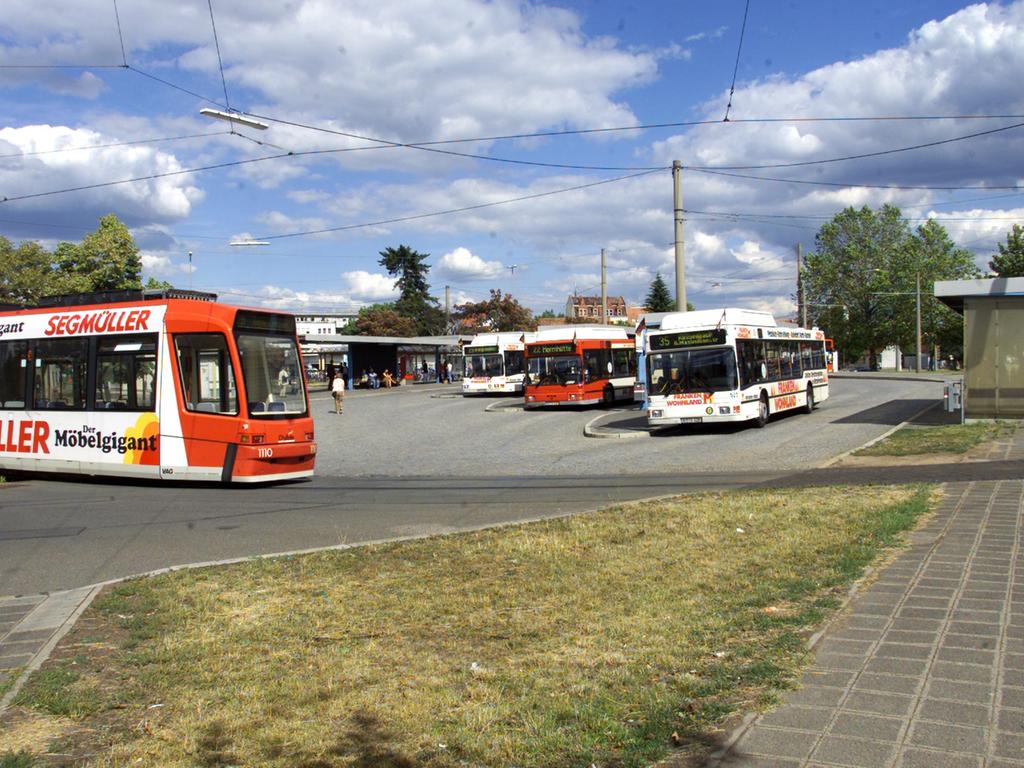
(611, 638)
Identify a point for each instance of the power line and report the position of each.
(853, 157)
(176, 87)
(854, 184)
(736, 68)
(120, 35)
(116, 144)
(455, 210)
(220, 61)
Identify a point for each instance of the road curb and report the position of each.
(589, 430)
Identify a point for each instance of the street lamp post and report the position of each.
(918, 322)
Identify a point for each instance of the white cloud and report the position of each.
(460, 263)
(370, 287)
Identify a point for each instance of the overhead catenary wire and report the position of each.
(220, 60)
(736, 67)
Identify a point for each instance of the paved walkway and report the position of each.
(926, 667)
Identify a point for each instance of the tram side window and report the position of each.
(126, 372)
(60, 370)
(207, 376)
(13, 357)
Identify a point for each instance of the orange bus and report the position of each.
(153, 384)
(581, 365)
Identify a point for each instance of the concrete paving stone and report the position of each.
(861, 725)
(973, 628)
(869, 609)
(831, 660)
(922, 613)
(15, 613)
(13, 662)
(965, 656)
(800, 718)
(945, 736)
(1012, 697)
(908, 636)
(1013, 677)
(897, 588)
(971, 693)
(833, 678)
(924, 601)
(8, 648)
(977, 604)
(1009, 745)
(854, 752)
(997, 763)
(965, 673)
(815, 696)
(758, 761)
(970, 642)
(887, 683)
(918, 625)
(839, 645)
(892, 666)
(878, 703)
(956, 712)
(985, 617)
(1013, 661)
(1013, 645)
(866, 622)
(777, 742)
(923, 758)
(903, 651)
(32, 634)
(946, 592)
(1011, 721)
(848, 633)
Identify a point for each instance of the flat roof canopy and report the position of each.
(953, 292)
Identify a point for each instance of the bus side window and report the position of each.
(751, 359)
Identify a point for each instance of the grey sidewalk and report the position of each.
(29, 629)
(926, 666)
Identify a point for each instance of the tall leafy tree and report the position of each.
(501, 312)
(410, 269)
(851, 278)
(105, 260)
(26, 272)
(1009, 262)
(931, 255)
(659, 299)
(381, 320)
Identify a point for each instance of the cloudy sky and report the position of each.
(542, 133)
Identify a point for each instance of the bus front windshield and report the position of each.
(694, 370)
(558, 369)
(272, 374)
(479, 366)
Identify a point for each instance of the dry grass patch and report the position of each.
(952, 438)
(604, 638)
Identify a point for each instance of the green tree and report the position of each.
(850, 279)
(152, 284)
(498, 313)
(658, 297)
(932, 255)
(26, 272)
(549, 313)
(1009, 262)
(381, 320)
(105, 260)
(415, 302)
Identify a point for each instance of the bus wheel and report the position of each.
(809, 405)
(609, 395)
(762, 412)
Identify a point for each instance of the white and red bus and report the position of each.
(495, 363)
(722, 365)
(579, 365)
(153, 384)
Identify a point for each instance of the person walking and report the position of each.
(448, 370)
(338, 390)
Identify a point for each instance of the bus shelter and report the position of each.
(993, 311)
(409, 359)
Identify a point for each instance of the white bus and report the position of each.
(721, 365)
(495, 363)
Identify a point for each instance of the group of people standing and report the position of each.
(337, 376)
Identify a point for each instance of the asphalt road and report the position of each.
(417, 461)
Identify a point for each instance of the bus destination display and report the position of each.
(688, 339)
